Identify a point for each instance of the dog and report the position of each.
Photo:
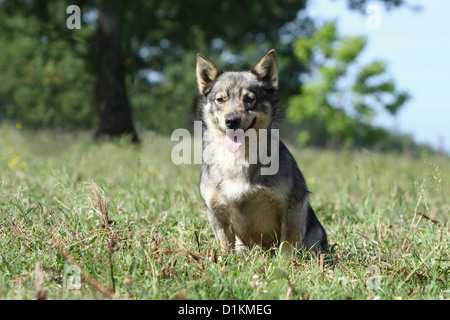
(245, 207)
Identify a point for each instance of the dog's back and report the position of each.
(247, 206)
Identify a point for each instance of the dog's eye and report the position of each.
(220, 100)
(249, 99)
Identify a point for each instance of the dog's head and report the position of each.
(239, 100)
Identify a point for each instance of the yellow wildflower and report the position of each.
(152, 170)
(13, 162)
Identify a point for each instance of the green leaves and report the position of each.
(371, 81)
(340, 98)
(44, 80)
(48, 73)
(350, 49)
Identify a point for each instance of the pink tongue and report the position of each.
(233, 141)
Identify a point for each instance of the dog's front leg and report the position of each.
(222, 231)
(290, 234)
(240, 246)
(286, 245)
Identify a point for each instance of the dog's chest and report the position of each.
(252, 209)
(234, 187)
(225, 186)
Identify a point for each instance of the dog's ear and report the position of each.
(267, 69)
(207, 73)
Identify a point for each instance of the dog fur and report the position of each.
(246, 208)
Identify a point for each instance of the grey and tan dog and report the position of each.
(245, 207)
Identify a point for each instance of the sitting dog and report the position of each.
(250, 203)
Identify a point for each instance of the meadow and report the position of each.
(109, 220)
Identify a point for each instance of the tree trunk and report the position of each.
(114, 111)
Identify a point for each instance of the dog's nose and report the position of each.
(232, 122)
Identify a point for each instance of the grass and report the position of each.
(85, 220)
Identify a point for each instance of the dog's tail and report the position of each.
(314, 237)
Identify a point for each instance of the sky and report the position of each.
(416, 46)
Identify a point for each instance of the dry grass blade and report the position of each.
(97, 197)
(112, 243)
(291, 290)
(424, 216)
(19, 234)
(107, 292)
(192, 256)
(320, 262)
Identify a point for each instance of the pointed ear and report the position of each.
(207, 73)
(267, 69)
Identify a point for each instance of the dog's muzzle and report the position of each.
(232, 122)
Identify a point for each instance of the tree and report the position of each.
(164, 45)
(45, 76)
(117, 49)
(114, 111)
(143, 65)
(334, 108)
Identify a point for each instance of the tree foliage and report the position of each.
(43, 79)
(160, 41)
(340, 98)
(49, 73)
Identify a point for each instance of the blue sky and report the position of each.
(416, 46)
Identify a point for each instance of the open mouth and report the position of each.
(234, 140)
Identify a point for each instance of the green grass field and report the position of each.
(86, 220)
